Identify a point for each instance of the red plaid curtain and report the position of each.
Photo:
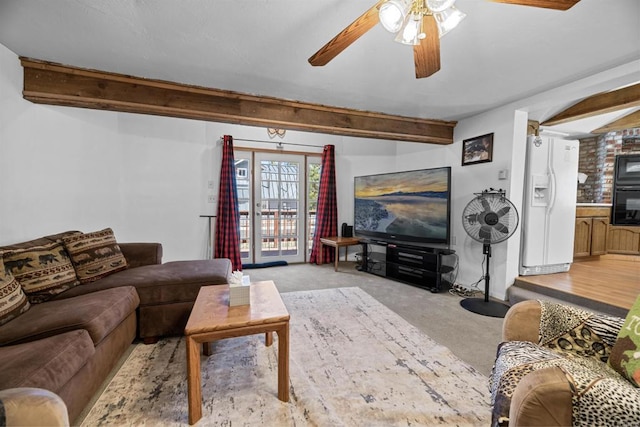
(327, 214)
(228, 221)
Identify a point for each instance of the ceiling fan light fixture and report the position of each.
(448, 19)
(392, 14)
(439, 5)
(411, 32)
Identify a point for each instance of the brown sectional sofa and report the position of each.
(69, 344)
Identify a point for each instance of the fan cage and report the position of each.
(479, 215)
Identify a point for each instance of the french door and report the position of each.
(277, 197)
(279, 207)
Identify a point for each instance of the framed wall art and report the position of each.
(477, 150)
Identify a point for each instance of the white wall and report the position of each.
(509, 133)
(65, 168)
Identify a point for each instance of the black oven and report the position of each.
(627, 170)
(626, 206)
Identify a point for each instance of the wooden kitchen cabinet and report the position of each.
(592, 226)
(623, 240)
(599, 230)
(582, 238)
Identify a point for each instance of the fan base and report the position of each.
(486, 308)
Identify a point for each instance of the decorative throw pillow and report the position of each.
(13, 301)
(43, 271)
(625, 354)
(94, 255)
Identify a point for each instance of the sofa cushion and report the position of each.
(176, 281)
(97, 312)
(625, 354)
(46, 363)
(38, 242)
(43, 271)
(95, 255)
(577, 332)
(139, 254)
(13, 301)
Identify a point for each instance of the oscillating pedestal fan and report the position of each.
(489, 218)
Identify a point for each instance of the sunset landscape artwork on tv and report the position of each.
(412, 205)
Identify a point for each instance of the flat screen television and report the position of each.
(412, 206)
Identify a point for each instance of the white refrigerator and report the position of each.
(549, 208)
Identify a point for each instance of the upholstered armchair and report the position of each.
(551, 370)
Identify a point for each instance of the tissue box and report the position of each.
(240, 295)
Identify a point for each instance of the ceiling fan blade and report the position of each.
(548, 4)
(426, 55)
(350, 34)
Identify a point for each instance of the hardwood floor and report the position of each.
(613, 280)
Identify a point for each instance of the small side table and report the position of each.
(337, 242)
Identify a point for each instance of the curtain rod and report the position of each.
(278, 143)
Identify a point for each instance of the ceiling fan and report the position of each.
(420, 23)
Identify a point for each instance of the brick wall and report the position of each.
(597, 159)
(589, 163)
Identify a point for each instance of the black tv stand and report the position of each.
(417, 265)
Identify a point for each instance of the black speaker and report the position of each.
(347, 230)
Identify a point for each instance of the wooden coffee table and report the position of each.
(212, 319)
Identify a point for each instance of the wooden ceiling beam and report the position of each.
(56, 84)
(631, 120)
(601, 103)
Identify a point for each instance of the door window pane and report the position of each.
(279, 215)
(244, 206)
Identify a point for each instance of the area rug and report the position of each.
(353, 362)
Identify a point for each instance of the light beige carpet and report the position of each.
(353, 362)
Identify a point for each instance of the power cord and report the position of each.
(467, 291)
(461, 291)
(454, 271)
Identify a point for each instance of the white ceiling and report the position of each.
(499, 54)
